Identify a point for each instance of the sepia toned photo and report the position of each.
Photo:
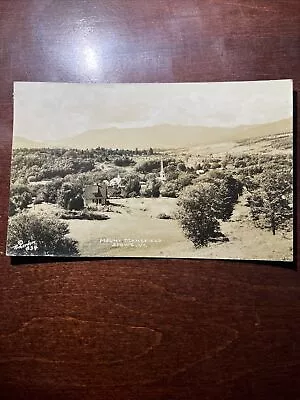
(187, 170)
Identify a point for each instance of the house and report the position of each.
(95, 195)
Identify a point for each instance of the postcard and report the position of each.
(180, 170)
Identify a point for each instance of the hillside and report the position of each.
(22, 143)
(281, 143)
(164, 136)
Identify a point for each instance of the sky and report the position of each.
(55, 111)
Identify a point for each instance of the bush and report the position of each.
(30, 234)
(38, 200)
(83, 215)
(164, 216)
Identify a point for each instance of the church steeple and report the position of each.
(162, 175)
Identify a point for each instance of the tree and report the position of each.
(50, 190)
(196, 214)
(185, 179)
(123, 161)
(132, 186)
(12, 208)
(152, 188)
(67, 193)
(226, 193)
(76, 203)
(171, 174)
(30, 234)
(169, 189)
(181, 166)
(20, 195)
(228, 190)
(271, 205)
(148, 166)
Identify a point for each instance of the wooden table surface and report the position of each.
(145, 329)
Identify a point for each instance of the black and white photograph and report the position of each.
(176, 170)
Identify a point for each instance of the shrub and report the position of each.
(38, 200)
(164, 216)
(83, 215)
(30, 234)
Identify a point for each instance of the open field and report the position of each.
(135, 230)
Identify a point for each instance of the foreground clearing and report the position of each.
(134, 230)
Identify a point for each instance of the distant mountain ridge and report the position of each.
(160, 136)
(20, 142)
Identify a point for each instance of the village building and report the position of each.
(95, 195)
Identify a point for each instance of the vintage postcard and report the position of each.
(186, 170)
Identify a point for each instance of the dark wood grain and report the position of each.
(150, 329)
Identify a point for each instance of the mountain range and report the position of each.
(159, 136)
